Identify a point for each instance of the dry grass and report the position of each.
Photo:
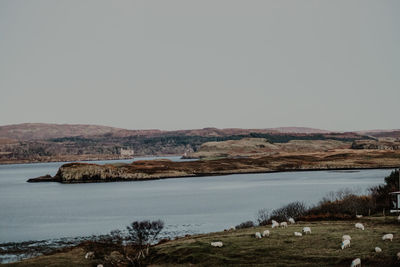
(282, 248)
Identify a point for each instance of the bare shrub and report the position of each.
(243, 225)
(141, 234)
(263, 217)
(291, 210)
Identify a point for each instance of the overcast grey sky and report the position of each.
(193, 64)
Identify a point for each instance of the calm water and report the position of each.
(37, 211)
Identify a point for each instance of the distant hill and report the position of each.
(42, 131)
(304, 130)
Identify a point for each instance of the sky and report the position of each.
(191, 64)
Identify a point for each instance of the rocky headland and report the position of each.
(339, 159)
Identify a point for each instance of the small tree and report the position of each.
(142, 233)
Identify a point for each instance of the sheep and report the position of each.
(298, 234)
(265, 233)
(258, 235)
(345, 244)
(307, 230)
(291, 220)
(217, 244)
(274, 224)
(359, 216)
(283, 224)
(360, 226)
(378, 249)
(346, 237)
(387, 237)
(232, 228)
(356, 263)
(89, 255)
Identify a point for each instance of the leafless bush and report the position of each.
(141, 234)
(291, 210)
(243, 225)
(263, 216)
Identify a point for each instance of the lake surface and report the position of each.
(38, 211)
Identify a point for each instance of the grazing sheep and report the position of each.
(346, 237)
(359, 216)
(291, 220)
(360, 226)
(378, 250)
(89, 255)
(345, 244)
(258, 235)
(284, 224)
(265, 233)
(217, 244)
(356, 263)
(298, 234)
(307, 230)
(387, 237)
(275, 224)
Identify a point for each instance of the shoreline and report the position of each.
(19, 162)
(142, 170)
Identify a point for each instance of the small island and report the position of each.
(339, 159)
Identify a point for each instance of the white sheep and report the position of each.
(265, 233)
(360, 226)
(217, 244)
(345, 244)
(274, 225)
(307, 230)
(378, 250)
(232, 228)
(298, 234)
(283, 224)
(291, 220)
(387, 237)
(258, 235)
(274, 222)
(356, 263)
(346, 237)
(359, 216)
(89, 255)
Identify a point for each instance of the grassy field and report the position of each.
(282, 248)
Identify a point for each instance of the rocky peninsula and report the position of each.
(341, 159)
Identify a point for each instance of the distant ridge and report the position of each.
(43, 131)
(303, 130)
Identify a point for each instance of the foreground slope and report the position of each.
(282, 248)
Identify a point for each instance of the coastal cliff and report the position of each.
(158, 169)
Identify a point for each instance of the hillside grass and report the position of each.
(282, 248)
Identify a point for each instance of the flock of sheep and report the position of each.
(307, 230)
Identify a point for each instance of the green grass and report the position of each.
(282, 248)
